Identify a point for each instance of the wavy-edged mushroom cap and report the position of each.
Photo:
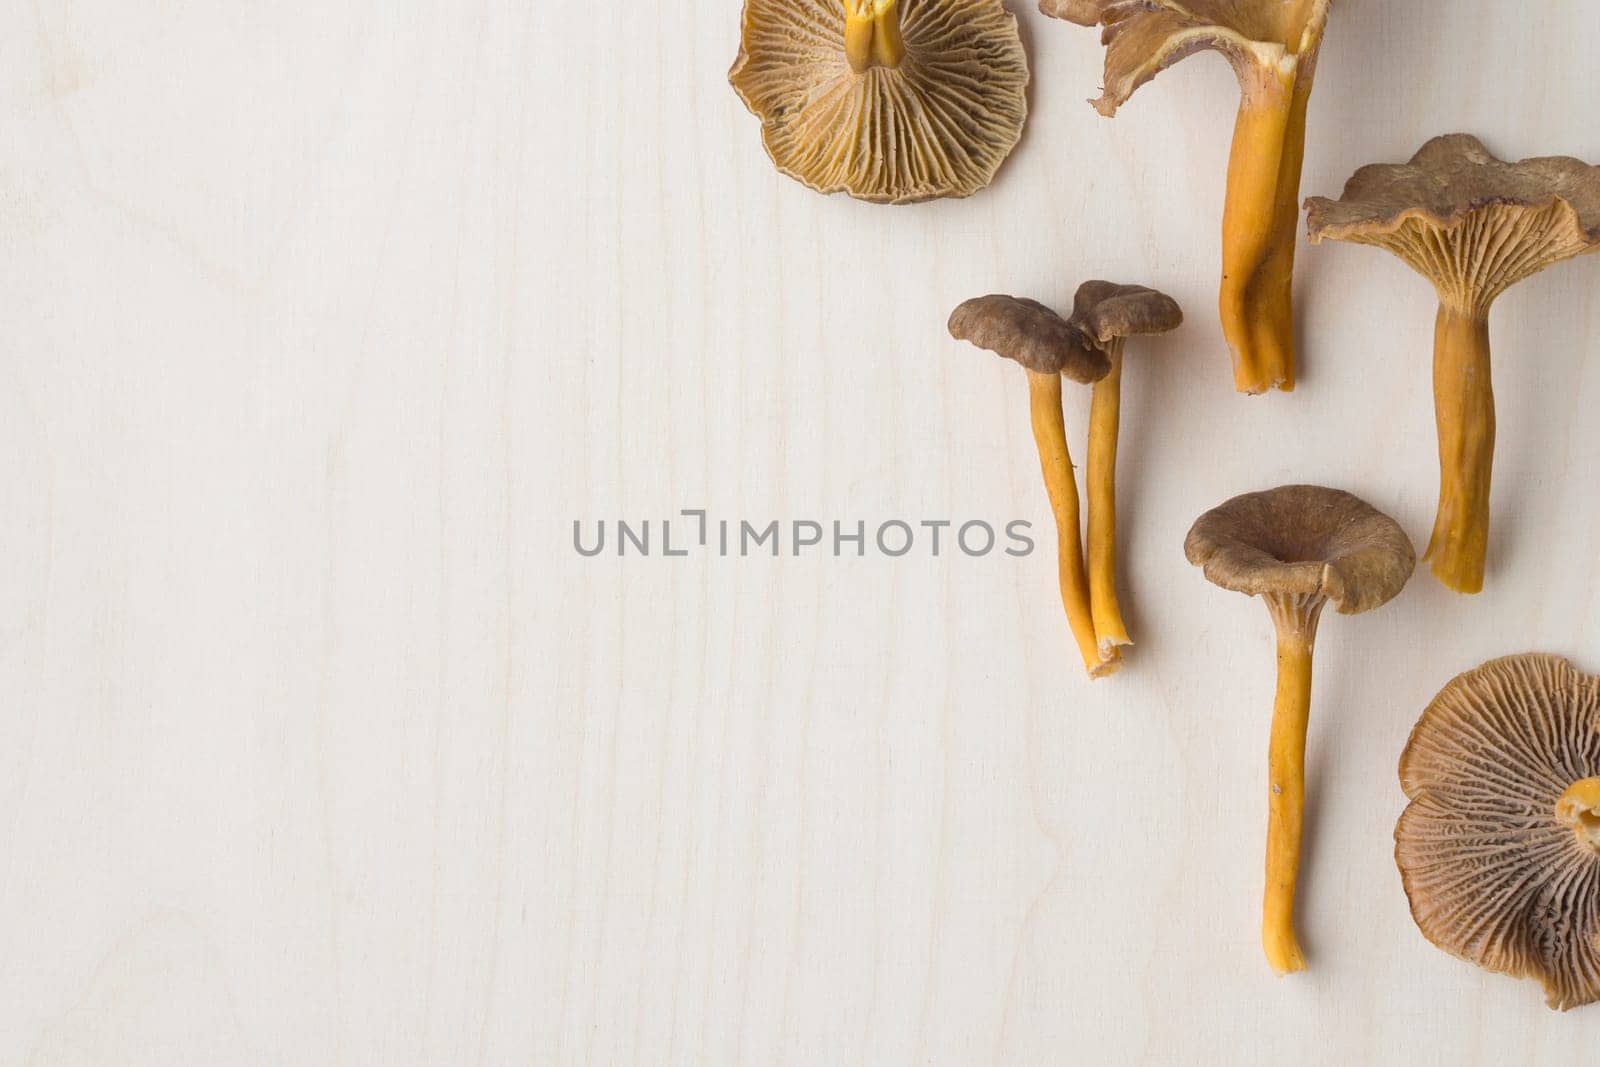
(938, 123)
(1145, 37)
(1497, 848)
(1303, 541)
(1107, 312)
(1472, 224)
(1030, 333)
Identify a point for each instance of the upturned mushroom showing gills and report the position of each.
(1047, 347)
(1273, 47)
(1107, 314)
(1299, 548)
(891, 101)
(1474, 226)
(1499, 848)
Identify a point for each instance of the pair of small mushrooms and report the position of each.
(1088, 349)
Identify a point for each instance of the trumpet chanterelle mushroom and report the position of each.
(1273, 47)
(1108, 314)
(1474, 226)
(1299, 548)
(891, 101)
(1499, 848)
(1047, 346)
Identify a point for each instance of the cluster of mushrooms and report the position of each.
(899, 101)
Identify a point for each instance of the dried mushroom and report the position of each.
(1474, 226)
(1047, 347)
(891, 101)
(1499, 848)
(1299, 548)
(1107, 314)
(1273, 47)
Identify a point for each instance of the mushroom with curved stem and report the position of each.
(1048, 347)
(1498, 849)
(1273, 47)
(891, 101)
(1108, 314)
(1474, 226)
(1299, 548)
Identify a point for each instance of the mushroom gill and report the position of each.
(1498, 849)
(891, 101)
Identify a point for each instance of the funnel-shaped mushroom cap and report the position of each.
(1304, 540)
(1494, 873)
(1472, 224)
(1107, 312)
(937, 124)
(1145, 37)
(1030, 333)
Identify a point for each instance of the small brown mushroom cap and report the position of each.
(1108, 312)
(1472, 224)
(1304, 541)
(1492, 875)
(1145, 37)
(939, 124)
(1030, 333)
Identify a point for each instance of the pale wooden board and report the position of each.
(319, 744)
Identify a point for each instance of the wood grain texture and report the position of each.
(319, 743)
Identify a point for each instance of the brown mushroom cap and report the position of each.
(939, 124)
(1493, 876)
(1108, 312)
(1030, 333)
(1303, 540)
(1473, 224)
(1145, 37)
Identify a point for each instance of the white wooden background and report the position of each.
(320, 323)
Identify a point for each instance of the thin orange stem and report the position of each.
(1050, 434)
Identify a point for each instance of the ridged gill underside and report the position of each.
(1493, 876)
(1475, 260)
(939, 124)
(1473, 224)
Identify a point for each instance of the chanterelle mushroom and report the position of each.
(1499, 849)
(1474, 226)
(892, 101)
(1108, 314)
(1047, 347)
(1273, 47)
(1299, 548)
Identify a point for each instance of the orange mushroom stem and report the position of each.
(872, 34)
(1579, 808)
(1050, 434)
(1463, 398)
(1260, 226)
(1296, 620)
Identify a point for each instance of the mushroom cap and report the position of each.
(1107, 312)
(1304, 540)
(1493, 877)
(1145, 37)
(939, 124)
(1030, 333)
(1473, 224)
